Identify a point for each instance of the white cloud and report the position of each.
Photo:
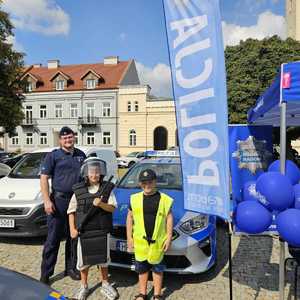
(43, 16)
(159, 78)
(268, 24)
(16, 45)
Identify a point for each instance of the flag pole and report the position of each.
(230, 259)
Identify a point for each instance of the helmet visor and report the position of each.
(93, 168)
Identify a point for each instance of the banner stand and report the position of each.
(230, 259)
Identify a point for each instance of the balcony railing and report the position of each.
(88, 121)
(29, 122)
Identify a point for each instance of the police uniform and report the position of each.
(64, 169)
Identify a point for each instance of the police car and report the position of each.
(21, 205)
(193, 247)
(14, 285)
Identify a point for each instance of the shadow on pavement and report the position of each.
(251, 264)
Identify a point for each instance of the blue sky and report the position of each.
(85, 31)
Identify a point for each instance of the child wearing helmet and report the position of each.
(90, 218)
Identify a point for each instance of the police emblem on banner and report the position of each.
(252, 154)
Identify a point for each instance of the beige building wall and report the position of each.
(150, 115)
(293, 18)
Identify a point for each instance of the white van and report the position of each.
(21, 205)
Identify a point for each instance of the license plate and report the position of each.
(7, 223)
(121, 246)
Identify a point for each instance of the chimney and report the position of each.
(53, 64)
(111, 60)
(37, 65)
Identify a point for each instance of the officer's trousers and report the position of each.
(58, 228)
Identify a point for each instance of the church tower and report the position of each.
(293, 19)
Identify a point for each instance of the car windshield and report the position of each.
(132, 154)
(168, 176)
(29, 167)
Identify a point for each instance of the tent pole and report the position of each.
(230, 260)
(282, 170)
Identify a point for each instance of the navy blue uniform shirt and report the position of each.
(64, 168)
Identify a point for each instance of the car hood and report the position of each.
(123, 196)
(15, 190)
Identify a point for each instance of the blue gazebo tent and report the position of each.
(279, 105)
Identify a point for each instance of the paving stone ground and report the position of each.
(255, 271)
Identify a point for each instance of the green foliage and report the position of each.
(251, 67)
(11, 66)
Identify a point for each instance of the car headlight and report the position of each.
(194, 224)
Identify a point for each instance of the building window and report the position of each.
(15, 139)
(58, 110)
(59, 85)
(76, 137)
(90, 138)
(128, 106)
(29, 138)
(106, 138)
(90, 111)
(28, 114)
(136, 106)
(43, 111)
(73, 110)
(106, 109)
(29, 87)
(43, 138)
(90, 83)
(132, 137)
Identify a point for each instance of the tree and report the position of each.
(251, 66)
(11, 68)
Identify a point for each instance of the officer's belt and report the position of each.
(65, 195)
(149, 240)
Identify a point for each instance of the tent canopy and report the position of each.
(285, 88)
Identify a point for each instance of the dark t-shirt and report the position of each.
(64, 168)
(150, 208)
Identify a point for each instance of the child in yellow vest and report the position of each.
(149, 232)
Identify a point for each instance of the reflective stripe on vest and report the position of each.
(143, 250)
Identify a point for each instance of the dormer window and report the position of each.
(59, 85)
(29, 87)
(91, 84)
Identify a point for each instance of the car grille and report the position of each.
(14, 211)
(171, 261)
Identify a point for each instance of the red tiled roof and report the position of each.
(112, 75)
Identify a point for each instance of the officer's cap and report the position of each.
(147, 175)
(65, 131)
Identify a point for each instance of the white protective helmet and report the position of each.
(93, 162)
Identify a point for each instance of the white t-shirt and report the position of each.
(93, 189)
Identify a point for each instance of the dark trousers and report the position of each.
(58, 228)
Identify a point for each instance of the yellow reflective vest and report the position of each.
(152, 252)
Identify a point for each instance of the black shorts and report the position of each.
(142, 267)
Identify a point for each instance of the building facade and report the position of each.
(84, 97)
(145, 122)
(293, 19)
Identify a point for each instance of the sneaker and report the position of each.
(82, 293)
(108, 291)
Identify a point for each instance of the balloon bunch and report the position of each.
(272, 195)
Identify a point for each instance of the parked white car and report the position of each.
(21, 206)
(129, 160)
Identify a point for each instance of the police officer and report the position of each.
(63, 166)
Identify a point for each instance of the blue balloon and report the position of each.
(297, 196)
(288, 226)
(277, 189)
(291, 170)
(252, 217)
(251, 194)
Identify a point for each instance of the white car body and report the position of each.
(21, 201)
(129, 160)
